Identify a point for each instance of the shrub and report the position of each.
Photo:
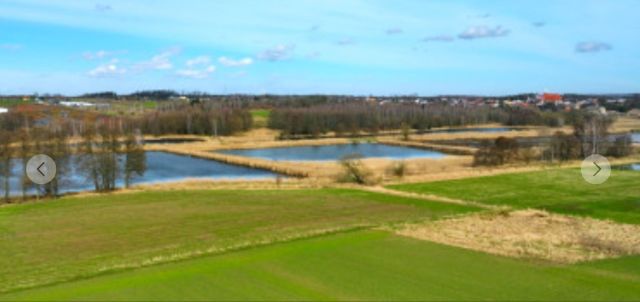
(621, 147)
(503, 150)
(355, 171)
(398, 169)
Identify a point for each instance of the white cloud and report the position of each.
(394, 31)
(440, 38)
(585, 47)
(107, 69)
(196, 73)
(201, 60)
(161, 61)
(235, 63)
(277, 53)
(11, 46)
(481, 31)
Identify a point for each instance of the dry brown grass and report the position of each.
(532, 234)
(458, 167)
(529, 132)
(625, 124)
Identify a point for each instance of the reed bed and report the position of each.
(532, 234)
(625, 124)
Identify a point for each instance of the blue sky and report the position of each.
(344, 47)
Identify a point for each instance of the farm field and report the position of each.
(558, 190)
(78, 237)
(361, 265)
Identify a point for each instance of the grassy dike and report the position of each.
(364, 265)
(78, 237)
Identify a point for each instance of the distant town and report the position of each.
(546, 101)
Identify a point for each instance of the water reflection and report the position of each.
(160, 167)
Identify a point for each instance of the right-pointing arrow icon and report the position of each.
(598, 168)
(595, 169)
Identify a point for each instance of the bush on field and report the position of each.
(355, 171)
(563, 147)
(622, 146)
(398, 169)
(502, 151)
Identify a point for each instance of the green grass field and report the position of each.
(362, 265)
(150, 104)
(71, 238)
(560, 190)
(260, 117)
(12, 102)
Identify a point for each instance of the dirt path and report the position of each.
(430, 197)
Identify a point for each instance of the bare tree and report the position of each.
(24, 153)
(6, 153)
(135, 159)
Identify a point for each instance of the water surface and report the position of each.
(160, 167)
(335, 152)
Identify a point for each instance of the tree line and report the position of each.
(170, 118)
(194, 118)
(357, 117)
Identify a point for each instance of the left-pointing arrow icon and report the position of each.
(40, 167)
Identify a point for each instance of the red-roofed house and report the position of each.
(551, 98)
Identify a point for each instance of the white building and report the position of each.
(3, 110)
(75, 104)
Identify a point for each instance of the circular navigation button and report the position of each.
(41, 169)
(596, 169)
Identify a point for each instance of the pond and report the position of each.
(335, 152)
(160, 167)
(635, 137)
